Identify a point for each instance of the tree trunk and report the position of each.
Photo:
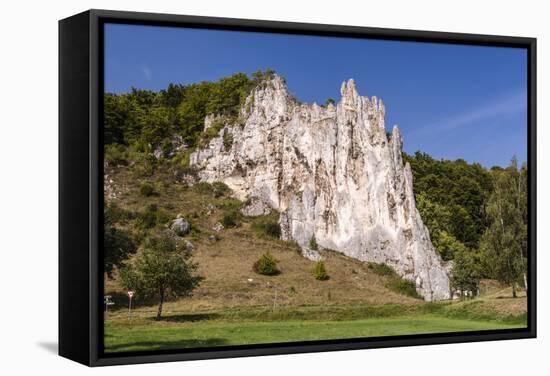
(525, 281)
(159, 313)
(514, 295)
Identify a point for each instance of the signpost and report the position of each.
(107, 301)
(130, 296)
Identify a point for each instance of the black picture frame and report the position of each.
(81, 185)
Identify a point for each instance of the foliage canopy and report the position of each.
(266, 265)
(162, 270)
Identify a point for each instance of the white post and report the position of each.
(130, 296)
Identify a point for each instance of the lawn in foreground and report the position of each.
(123, 335)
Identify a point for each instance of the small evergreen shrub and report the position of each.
(147, 219)
(393, 281)
(180, 166)
(271, 229)
(212, 132)
(151, 217)
(313, 243)
(404, 287)
(216, 189)
(381, 269)
(183, 159)
(228, 203)
(162, 217)
(261, 78)
(116, 155)
(230, 219)
(146, 189)
(227, 140)
(266, 265)
(203, 188)
(220, 189)
(144, 164)
(115, 214)
(319, 271)
(267, 226)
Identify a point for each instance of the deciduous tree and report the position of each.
(162, 270)
(505, 241)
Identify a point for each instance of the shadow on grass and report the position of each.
(188, 317)
(165, 345)
(510, 297)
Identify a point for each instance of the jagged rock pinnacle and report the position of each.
(348, 89)
(333, 174)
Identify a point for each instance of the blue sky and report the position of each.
(450, 101)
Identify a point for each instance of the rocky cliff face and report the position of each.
(333, 174)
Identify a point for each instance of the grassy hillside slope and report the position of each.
(234, 305)
(226, 262)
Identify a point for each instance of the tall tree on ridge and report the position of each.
(505, 240)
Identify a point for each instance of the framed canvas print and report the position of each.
(239, 187)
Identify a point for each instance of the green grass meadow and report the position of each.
(253, 326)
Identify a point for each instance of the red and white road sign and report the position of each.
(130, 294)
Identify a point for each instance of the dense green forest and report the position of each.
(146, 119)
(476, 217)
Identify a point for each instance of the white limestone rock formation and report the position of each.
(333, 174)
(255, 206)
